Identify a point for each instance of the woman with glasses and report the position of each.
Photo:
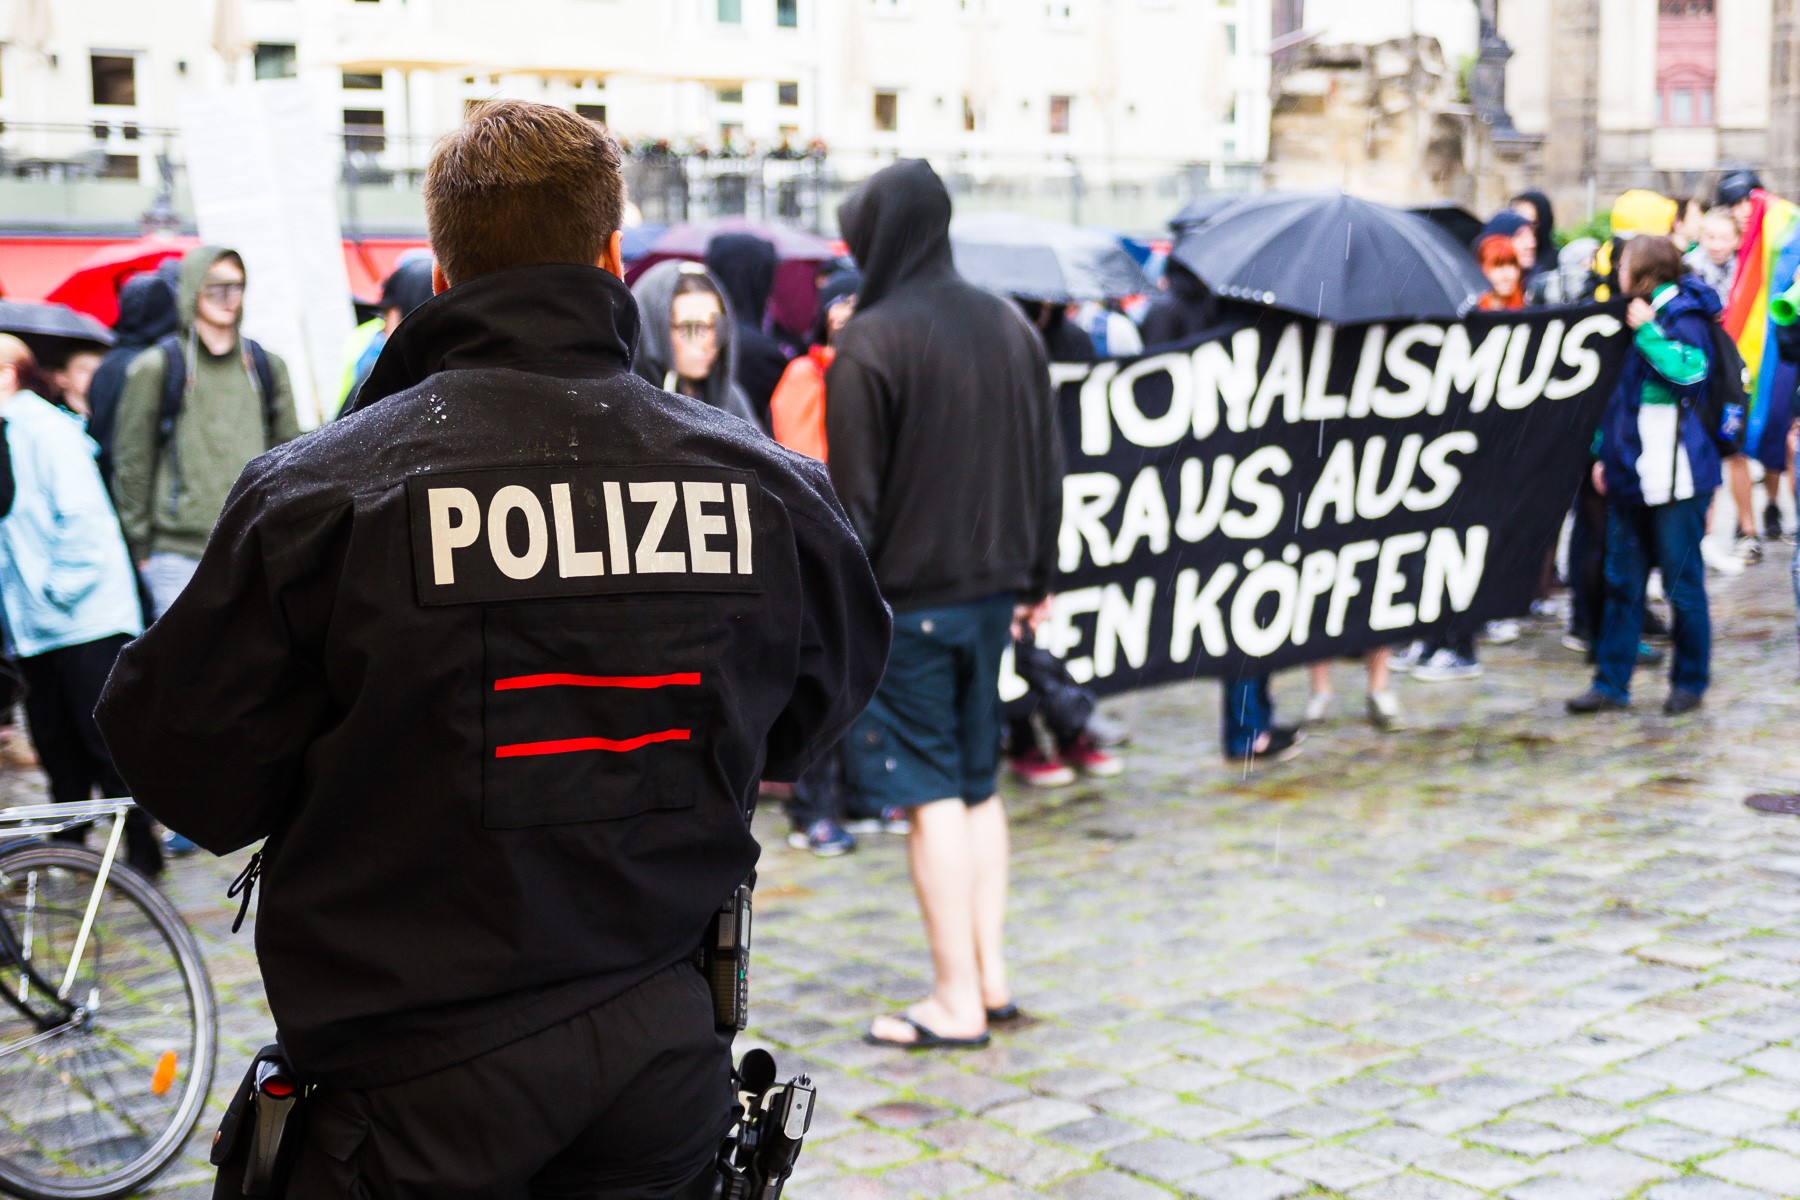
(685, 345)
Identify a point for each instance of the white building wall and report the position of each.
(1454, 23)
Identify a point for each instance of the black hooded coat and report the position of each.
(1543, 223)
(744, 265)
(1187, 308)
(944, 443)
(495, 662)
(147, 314)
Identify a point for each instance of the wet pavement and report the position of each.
(1502, 953)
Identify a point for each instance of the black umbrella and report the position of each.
(1202, 209)
(1037, 259)
(1332, 256)
(1462, 225)
(53, 331)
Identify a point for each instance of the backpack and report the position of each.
(174, 393)
(1722, 406)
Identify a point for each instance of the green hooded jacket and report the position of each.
(168, 501)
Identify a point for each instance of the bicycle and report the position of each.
(109, 1030)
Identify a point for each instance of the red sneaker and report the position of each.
(1086, 756)
(1041, 770)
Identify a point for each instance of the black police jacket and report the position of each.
(495, 663)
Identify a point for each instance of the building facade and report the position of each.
(1663, 94)
(1085, 98)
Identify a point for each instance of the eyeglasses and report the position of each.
(220, 292)
(693, 331)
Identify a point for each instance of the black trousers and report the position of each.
(628, 1101)
(62, 690)
(819, 792)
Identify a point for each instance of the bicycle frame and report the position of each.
(41, 820)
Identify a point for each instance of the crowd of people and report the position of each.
(922, 395)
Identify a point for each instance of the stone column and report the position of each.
(1571, 143)
(1783, 173)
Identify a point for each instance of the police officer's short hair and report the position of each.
(521, 184)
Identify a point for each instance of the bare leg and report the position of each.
(1320, 675)
(1739, 469)
(989, 844)
(941, 853)
(1379, 676)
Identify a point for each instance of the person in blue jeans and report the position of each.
(1658, 467)
(1250, 732)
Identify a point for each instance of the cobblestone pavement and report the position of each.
(1500, 954)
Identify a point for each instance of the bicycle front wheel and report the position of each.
(95, 1105)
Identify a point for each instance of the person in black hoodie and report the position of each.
(147, 314)
(744, 265)
(1186, 307)
(946, 454)
(495, 662)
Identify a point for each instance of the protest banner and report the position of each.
(1294, 491)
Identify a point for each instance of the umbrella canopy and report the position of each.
(93, 287)
(1038, 259)
(690, 239)
(1462, 225)
(53, 331)
(798, 254)
(1202, 209)
(635, 241)
(1333, 256)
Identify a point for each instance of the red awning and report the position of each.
(33, 267)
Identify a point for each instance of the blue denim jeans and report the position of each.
(1249, 711)
(1667, 537)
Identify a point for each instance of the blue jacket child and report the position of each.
(1652, 443)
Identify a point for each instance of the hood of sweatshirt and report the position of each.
(897, 226)
(744, 267)
(147, 312)
(194, 266)
(655, 293)
(559, 319)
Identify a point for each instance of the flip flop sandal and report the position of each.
(928, 1039)
(1006, 1014)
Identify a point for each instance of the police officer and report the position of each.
(495, 664)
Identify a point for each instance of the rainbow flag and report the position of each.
(1771, 225)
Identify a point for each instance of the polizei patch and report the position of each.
(520, 533)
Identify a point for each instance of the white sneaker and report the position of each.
(1446, 666)
(1718, 561)
(1500, 633)
(1578, 644)
(1653, 588)
(1318, 706)
(1406, 658)
(1384, 712)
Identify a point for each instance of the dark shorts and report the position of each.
(932, 732)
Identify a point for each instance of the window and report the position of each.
(1061, 13)
(731, 12)
(1681, 107)
(787, 94)
(275, 60)
(730, 95)
(120, 166)
(355, 81)
(1059, 113)
(115, 79)
(365, 130)
(971, 116)
(1686, 8)
(1231, 41)
(1687, 62)
(887, 112)
(593, 112)
(787, 14)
